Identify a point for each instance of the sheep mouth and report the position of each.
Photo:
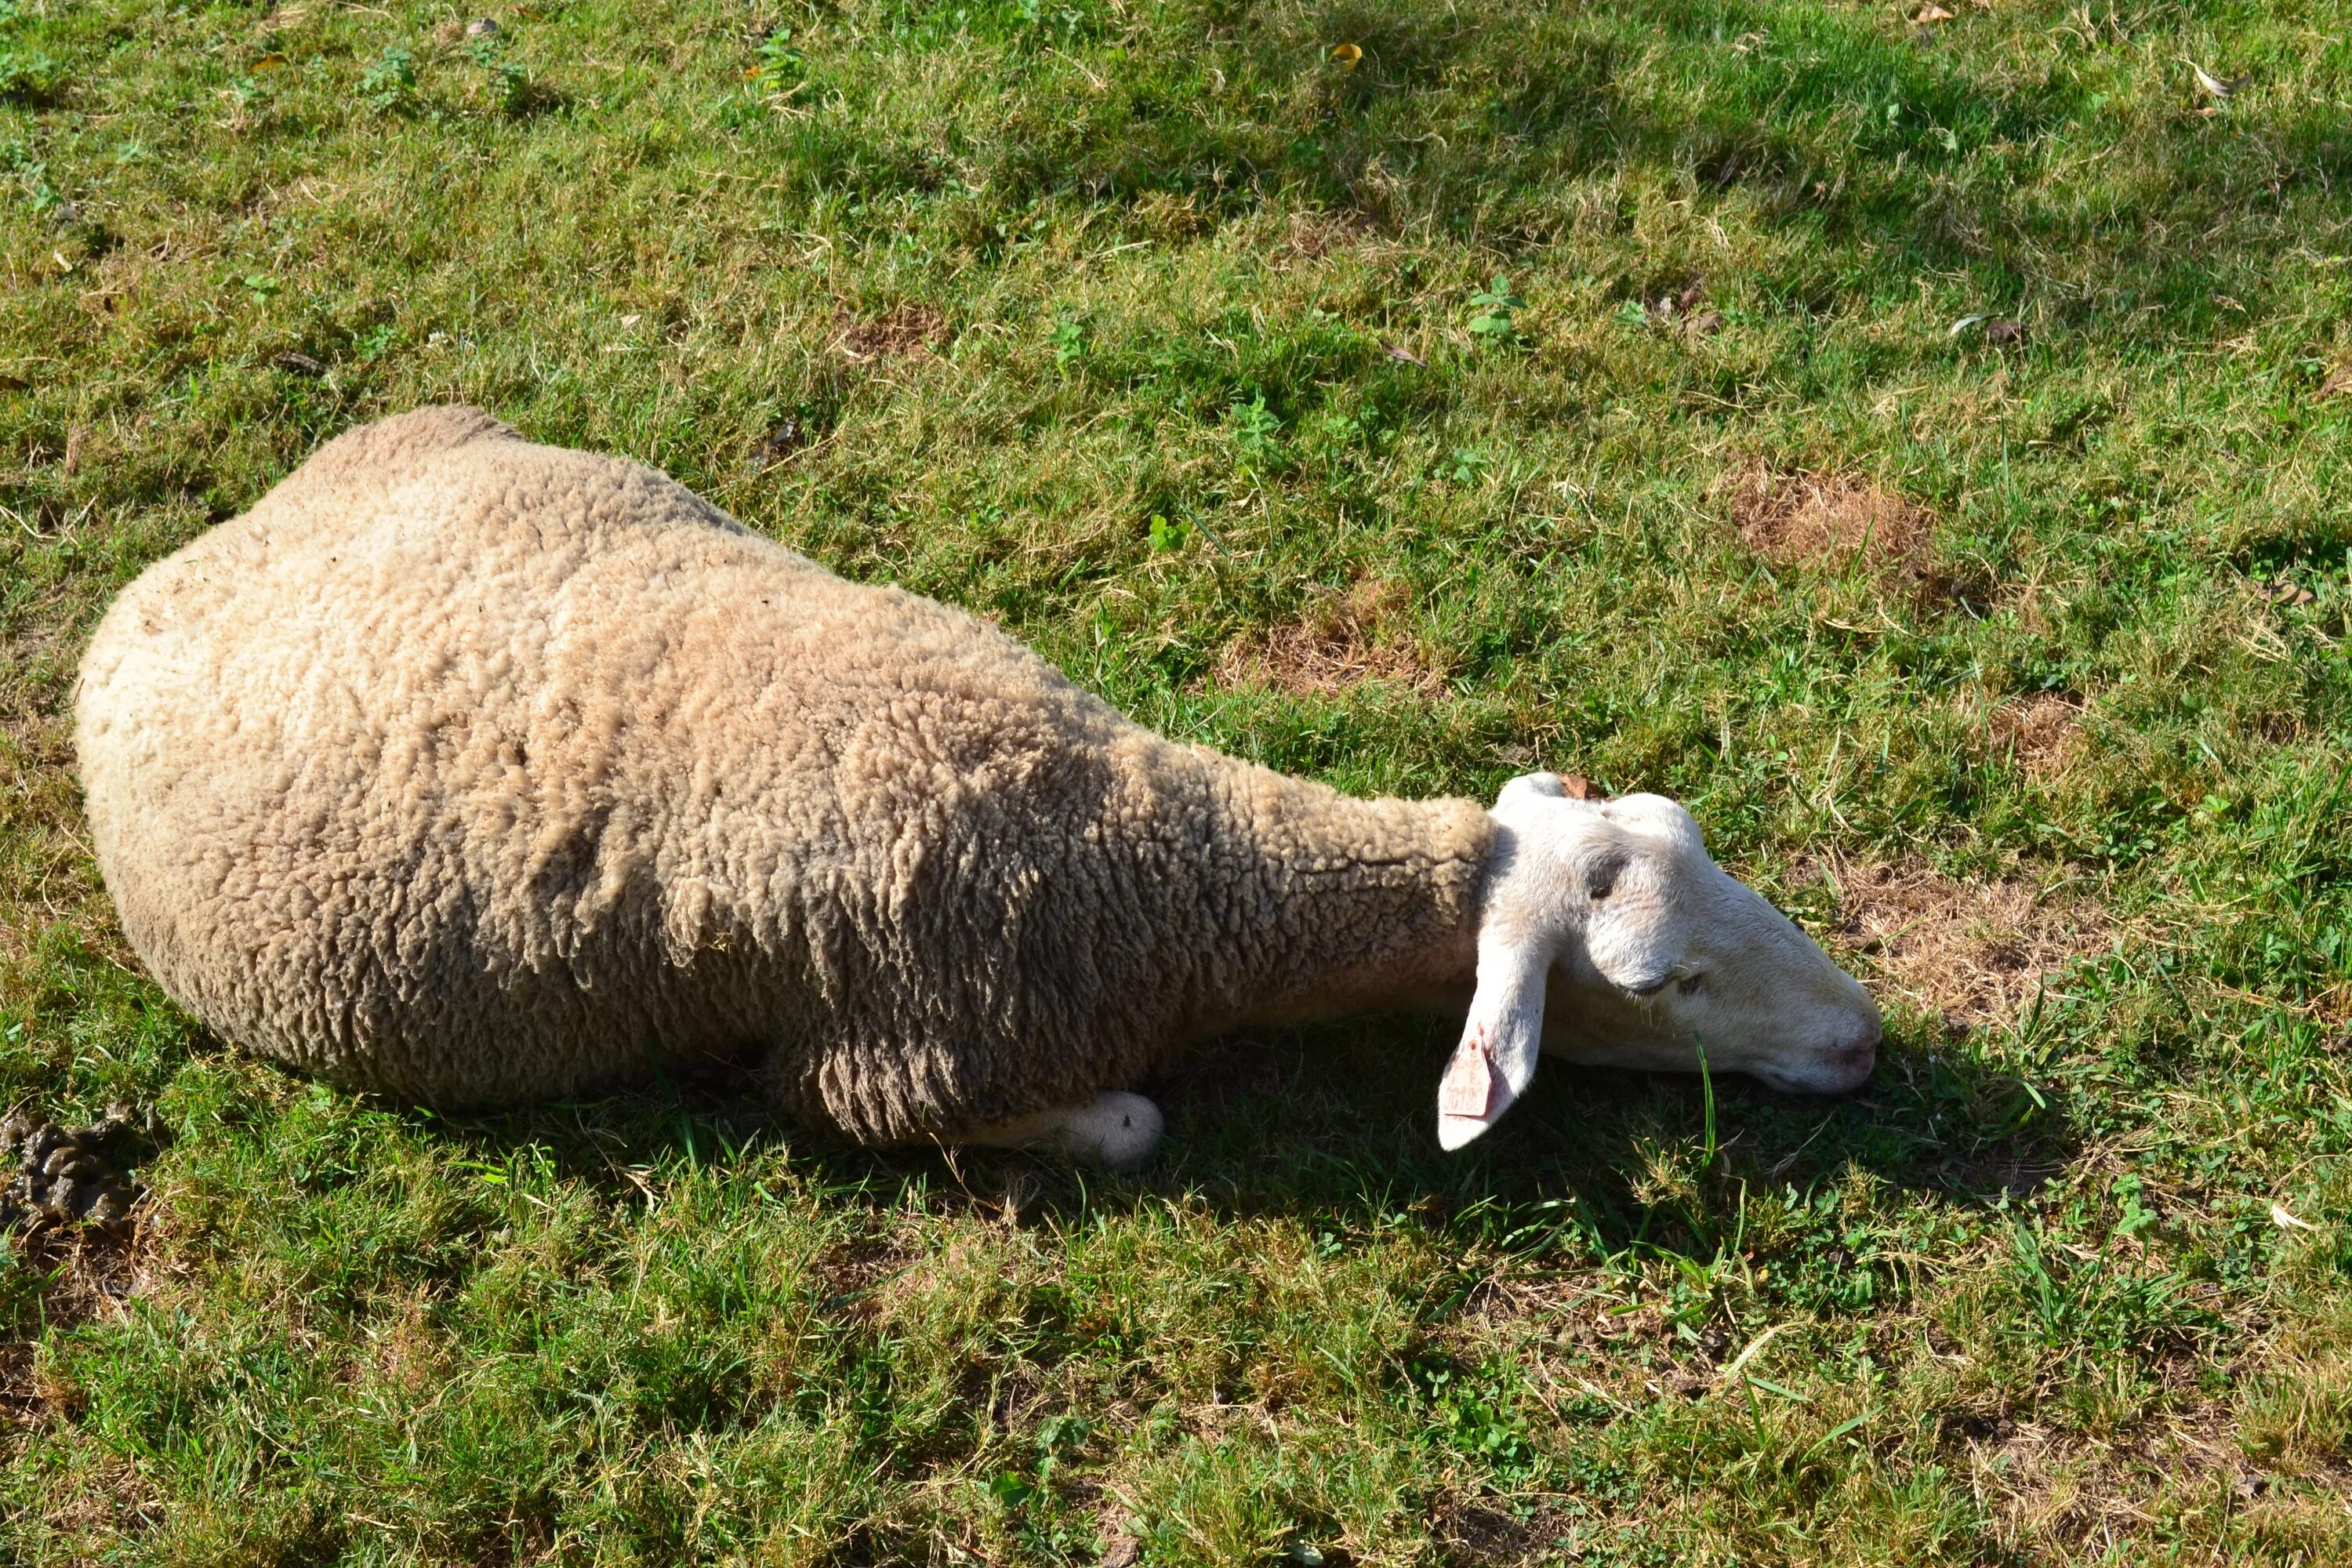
(1836, 1072)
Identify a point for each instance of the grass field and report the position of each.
(1911, 443)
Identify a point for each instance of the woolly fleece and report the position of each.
(473, 770)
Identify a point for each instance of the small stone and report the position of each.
(481, 27)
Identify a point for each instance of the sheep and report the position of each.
(471, 772)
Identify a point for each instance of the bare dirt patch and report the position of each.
(2043, 732)
(1975, 952)
(1344, 639)
(1799, 517)
(1487, 1532)
(911, 330)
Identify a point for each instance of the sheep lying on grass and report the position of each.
(472, 771)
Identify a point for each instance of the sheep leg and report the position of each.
(1115, 1128)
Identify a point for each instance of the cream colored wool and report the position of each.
(474, 771)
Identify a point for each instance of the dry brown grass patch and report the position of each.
(853, 1275)
(2057, 1492)
(1311, 235)
(910, 330)
(2043, 732)
(110, 1501)
(1168, 218)
(1799, 517)
(408, 1351)
(1977, 951)
(1344, 639)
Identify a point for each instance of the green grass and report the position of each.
(2025, 1295)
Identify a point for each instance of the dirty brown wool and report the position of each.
(473, 770)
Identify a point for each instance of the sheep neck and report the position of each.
(1348, 905)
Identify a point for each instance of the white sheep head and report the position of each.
(1608, 936)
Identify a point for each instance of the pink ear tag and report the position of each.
(1468, 1086)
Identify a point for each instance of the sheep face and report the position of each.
(1608, 936)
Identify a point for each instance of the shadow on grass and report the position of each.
(1900, 145)
(1337, 1123)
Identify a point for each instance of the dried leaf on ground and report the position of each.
(2287, 591)
(1681, 310)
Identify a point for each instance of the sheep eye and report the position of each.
(1600, 881)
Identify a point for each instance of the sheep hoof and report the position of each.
(1118, 1130)
(1115, 1129)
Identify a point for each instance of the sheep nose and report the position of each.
(1854, 1060)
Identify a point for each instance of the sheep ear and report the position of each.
(1550, 786)
(1497, 1058)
